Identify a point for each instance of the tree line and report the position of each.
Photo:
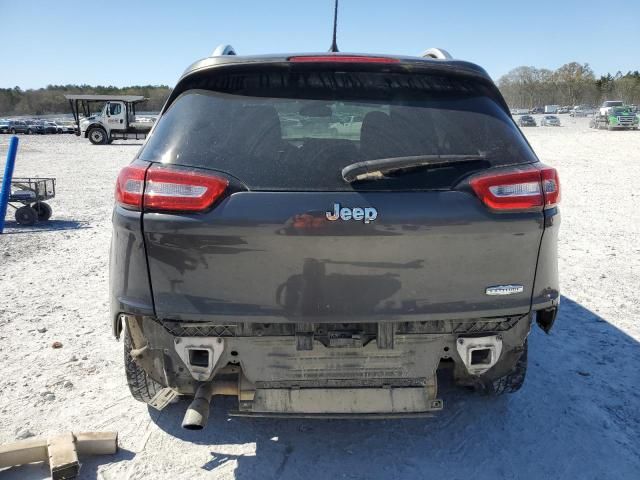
(571, 84)
(42, 101)
(523, 87)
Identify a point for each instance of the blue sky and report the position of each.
(151, 42)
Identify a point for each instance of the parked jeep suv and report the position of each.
(320, 234)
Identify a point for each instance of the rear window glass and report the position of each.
(289, 130)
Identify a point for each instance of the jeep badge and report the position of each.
(367, 214)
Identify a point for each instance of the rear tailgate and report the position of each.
(267, 252)
(428, 255)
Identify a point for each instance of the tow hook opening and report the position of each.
(200, 355)
(479, 354)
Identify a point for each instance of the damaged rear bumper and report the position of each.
(327, 373)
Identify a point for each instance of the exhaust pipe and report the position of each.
(197, 413)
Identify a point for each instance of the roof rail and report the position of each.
(223, 50)
(438, 53)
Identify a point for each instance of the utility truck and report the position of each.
(117, 119)
(615, 115)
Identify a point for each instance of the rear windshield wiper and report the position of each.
(379, 168)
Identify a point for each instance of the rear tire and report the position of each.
(509, 383)
(26, 216)
(142, 387)
(43, 210)
(97, 136)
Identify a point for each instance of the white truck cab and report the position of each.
(116, 121)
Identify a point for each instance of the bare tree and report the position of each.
(571, 84)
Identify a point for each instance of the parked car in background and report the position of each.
(13, 127)
(66, 127)
(527, 121)
(550, 121)
(4, 126)
(582, 111)
(51, 127)
(537, 110)
(34, 126)
(564, 110)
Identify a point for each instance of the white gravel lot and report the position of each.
(578, 415)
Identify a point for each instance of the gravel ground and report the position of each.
(578, 415)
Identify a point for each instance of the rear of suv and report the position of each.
(322, 234)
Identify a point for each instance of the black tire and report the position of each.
(29, 131)
(13, 131)
(511, 382)
(43, 210)
(142, 387)
(97, 136)
(26, 216)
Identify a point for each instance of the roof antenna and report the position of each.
(334, 45)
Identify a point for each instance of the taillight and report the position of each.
(168, 189)
(533, 188)
(130, 186)
(550, 186)
(181, 190)
(342, 59)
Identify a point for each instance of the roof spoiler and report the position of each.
(223, 50)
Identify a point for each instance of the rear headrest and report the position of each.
(256, 130)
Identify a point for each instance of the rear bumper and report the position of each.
(276, 377)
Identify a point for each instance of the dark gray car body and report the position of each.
(281, 295)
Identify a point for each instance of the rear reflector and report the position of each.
(550, 186)
(167, 189)
(343, 59)
(533, 188)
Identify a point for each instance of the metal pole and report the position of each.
(6, 179)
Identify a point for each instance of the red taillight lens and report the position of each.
(342, 59)
(167, 189)
(533, 188)
(130, 186)
(181, 190)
